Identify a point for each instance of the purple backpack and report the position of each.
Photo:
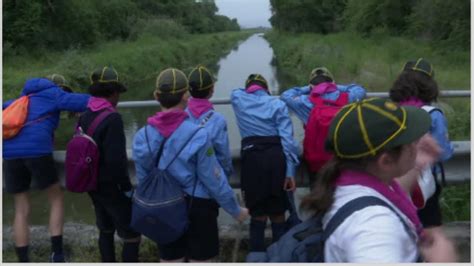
(82, 158)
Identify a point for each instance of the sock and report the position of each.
(22, 254)
(257, 235)
(57, 244)
(107, 247)
(278, 229)
(130, 251)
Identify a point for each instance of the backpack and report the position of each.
(82, 157)
(317, 128)
(305, 242)
(159, 208)
(15, 116)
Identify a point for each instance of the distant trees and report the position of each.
(446, 22)
(61, 24)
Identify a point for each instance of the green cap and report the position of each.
(200, 79)
(60, 81)
(364, 128)
(107, 75)
(320, 71)
(420, 65)
(256, 79)
(171, 81)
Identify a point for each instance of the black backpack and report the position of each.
(305, 242)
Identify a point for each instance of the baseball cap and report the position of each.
(171, 81)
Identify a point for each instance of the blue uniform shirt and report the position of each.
(439, 131)
(196, 160)
(216, 126)
(297, 98)
(259, 114)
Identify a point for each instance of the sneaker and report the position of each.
(57, 257)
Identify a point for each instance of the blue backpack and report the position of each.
(305, 241)
(159, 208)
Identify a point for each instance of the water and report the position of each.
(254, 55)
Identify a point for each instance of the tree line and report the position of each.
(445, 22)
(59, 24)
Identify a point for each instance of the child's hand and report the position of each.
(289, 184)
(436, 247)
(243, 215)
(428, 151)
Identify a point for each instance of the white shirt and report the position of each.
(373, 234)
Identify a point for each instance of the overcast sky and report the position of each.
(249, 13)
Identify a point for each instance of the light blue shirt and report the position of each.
(439, 131)
(259, 114)
(297, 98)
(196, 160)
(216, 126)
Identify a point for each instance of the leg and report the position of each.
(106, 228)
(278, 226)
(21, 230)
(130, 249)
(257, 233)
(56, 216)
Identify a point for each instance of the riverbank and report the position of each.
(137, 62)
(374, 63)
(80, 243)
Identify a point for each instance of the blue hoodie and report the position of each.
(46, 100)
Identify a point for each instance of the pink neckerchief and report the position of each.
(97, 104)
(395, 195)
(255, 88)
(413, 101)
(167, 122)
(322, 88)
(197, 106)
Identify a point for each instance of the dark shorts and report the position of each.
(262, 175)
(430, 215)
(113, 211)
(201, 241)
(18, 173)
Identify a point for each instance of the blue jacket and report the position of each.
(216, 127)
(36, 139)
(297, 98)
(197, 160)
(259, 114)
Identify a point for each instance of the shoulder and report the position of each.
(237, 92)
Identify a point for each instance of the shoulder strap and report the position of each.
(353, 206)
(97, 121)
(182, 147)
(160, 150)
(208, 116)
(430, 108)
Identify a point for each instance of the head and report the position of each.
(201, 83)
(256, 79)
(320, 75)
(416, 80)
(105, 84)
(375, 136)
(60, 81)
(172, 88)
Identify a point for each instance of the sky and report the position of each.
(249, 13)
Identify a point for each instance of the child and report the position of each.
(416, 86)
(30, 155)
(195, 163)
(201, 111)
(300, 100)
(269, 156)
(111, 203)
(373, 141)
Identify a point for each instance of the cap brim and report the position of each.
(121, 87)
(418, 124)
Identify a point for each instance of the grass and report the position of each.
(455, 202)
(137, 62)
(374, 63)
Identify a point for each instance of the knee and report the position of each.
(132, 240)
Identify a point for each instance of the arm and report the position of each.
(114, 152)
(293, 99)
(439, 131)
(222, 147)
(141, 155)
(212, 176)
(74, 102)
(290, 146)
(356, 92)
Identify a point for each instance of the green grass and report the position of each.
(374, 63)
(137, 62)
(455, 202)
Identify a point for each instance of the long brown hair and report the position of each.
(322, 195)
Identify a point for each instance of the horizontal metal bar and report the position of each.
(153, 103)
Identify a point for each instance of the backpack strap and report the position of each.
(97, 120)
(204, 121)
(430, 109)
(355, 205)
